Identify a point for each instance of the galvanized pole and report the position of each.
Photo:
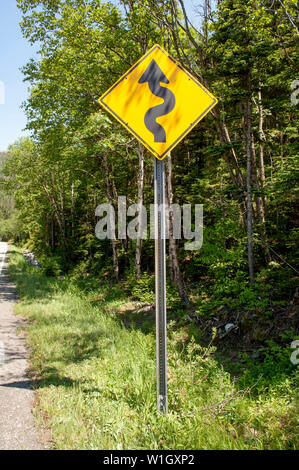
(160, 271)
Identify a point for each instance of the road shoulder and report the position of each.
(17, 427)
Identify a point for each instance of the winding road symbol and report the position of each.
(153, 75)
(158, 101)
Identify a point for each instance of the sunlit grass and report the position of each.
(96, 386)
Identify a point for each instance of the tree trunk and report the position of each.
(172, 244)
(72, 210)
(262, 179)
(52, 232)
(256, 186)
(56, 211)
(261, 150)
(248, 138)
(110, 199)
(231, 162)
(62, 198)
(139, 203)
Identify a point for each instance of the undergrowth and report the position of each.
(95, 377)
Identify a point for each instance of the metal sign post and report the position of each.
(160, 267)
(132, 100)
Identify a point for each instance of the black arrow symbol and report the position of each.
(153, 76)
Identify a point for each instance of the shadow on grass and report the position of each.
(52, 377)
(137, 319)
(49, 379)
(32, 284)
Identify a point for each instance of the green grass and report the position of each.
(95, 378)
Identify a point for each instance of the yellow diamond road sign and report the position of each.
(158, 101)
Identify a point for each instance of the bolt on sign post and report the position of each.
(159, 102)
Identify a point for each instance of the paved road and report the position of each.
(17, 429)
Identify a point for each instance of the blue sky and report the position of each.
(15, 52)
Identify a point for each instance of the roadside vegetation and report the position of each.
(232, 306)
(94, 371)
